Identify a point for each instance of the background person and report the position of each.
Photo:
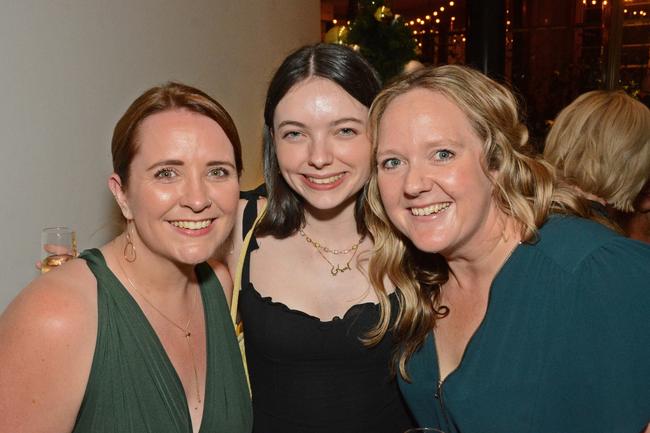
(600, 144)
(525, 317)
(136, 336)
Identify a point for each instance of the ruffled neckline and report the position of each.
(336, 319)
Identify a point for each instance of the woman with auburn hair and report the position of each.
(136, 336)
(518, 314)
(600, 144)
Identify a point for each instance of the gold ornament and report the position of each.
(382, 12)
(336, 35)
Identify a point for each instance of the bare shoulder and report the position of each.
(223, 274)
(59, 301)
(47, 340)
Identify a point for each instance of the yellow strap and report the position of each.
(239, 331)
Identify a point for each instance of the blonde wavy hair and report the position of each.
(525, 188)
(601, 144)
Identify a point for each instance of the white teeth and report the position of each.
(434, 208)
(325, 181)
(191, 225)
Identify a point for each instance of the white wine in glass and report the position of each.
(58, 245)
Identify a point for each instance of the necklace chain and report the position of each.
(321, 249)
(186, 330)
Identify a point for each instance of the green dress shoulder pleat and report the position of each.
(133, 386)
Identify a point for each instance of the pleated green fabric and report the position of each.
(133, 386)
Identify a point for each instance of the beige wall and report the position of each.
(69, 68)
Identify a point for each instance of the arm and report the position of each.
(47, 339)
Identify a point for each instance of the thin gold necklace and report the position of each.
(320, 246)
(334, 269)
(186, 330)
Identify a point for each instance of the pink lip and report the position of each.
(194, 233)
(320, 186)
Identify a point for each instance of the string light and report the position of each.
(437, 20)
(334, 21)
(442, 8)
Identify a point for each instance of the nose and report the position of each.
(417, 181)
(320, 154)
(195, 195)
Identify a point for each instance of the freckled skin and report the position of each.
(438, 159)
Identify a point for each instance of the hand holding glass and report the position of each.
(58, 245)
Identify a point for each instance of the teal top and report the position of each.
(133, 386)
(564, 346)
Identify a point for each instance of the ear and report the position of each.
(115, 185)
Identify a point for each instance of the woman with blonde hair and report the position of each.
(600, 143)
(517, 313)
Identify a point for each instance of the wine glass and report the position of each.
(58, 245)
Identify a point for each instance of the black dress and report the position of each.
(309, 376)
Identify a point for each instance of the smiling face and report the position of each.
(431, 177)
(321, 144)
(183, 187)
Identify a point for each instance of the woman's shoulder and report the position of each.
(47, 341)
(60, 301)
(574, 242)
(222, 272)
(595, 257)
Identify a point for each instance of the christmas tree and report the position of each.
(382, 38)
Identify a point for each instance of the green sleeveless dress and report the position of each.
(133, 386)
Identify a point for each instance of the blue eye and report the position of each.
(165, 173)
(444, 155)
(391, 163)
(347, 132)
(291, 135)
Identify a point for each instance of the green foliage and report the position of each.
(387, 43)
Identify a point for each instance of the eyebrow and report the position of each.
(334, 123)
(177, 162)
(434, 143)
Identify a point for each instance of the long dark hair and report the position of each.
(339, 64)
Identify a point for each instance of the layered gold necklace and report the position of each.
(335, 269)
(184, 329)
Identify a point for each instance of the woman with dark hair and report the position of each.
(136, 336)
(306, 302)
